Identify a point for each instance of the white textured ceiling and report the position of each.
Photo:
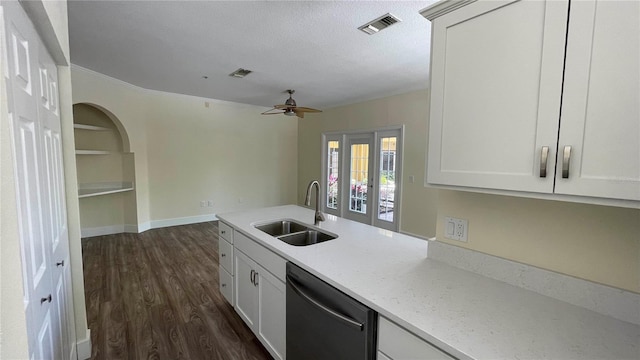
(313, 47)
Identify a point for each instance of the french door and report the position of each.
(361, 176)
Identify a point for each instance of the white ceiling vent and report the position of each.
(378, 24)
(240, 73)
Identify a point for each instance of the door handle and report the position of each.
(331, 312)
(566, 161)
(45, 299)
(544, 157)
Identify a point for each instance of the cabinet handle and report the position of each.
(566, 160)
(251, 277)
(255, 278)
(61, 263)
(224, 285)
(544, 157)
(223, 232)
(45, 299)
(298, 290)
(223, 255)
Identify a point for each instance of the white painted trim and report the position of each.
(84, 346)
(155, 224)
(102, 230)
(443, 7)
(142, 227)
(617, 303)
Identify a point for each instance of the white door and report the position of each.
(356, 197)
(600, 106)
(246, 298)
(31, 79)
(496, 79)
(272, 312)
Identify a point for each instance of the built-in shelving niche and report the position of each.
(106, 171)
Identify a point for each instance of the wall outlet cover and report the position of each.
(456, 229)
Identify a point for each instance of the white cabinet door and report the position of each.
(226, 284)
(600, 106)
(496, 83)
(246, 293)
(272, 312)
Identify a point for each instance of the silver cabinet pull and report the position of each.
(223, 232)
(566, 160)
(331, 312)
(223, 255)
(255, 279)
(252, 275)
(224, 285)
(61, 263)
(544, 157)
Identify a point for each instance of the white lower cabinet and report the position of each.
(396, 343)
(260, 302)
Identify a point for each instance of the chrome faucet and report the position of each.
(319, 215)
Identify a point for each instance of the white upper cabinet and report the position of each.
(499, 109)
(601, 102)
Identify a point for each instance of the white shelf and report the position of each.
(92, 152)
(90, 127)
(96, 189)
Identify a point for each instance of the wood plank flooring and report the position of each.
(155, 295)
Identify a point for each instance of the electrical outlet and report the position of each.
(210, 203)
(203, 203)
(456, 229)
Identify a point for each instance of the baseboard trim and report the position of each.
(156, 224)
(142, 227)
(84, 346)
(102, 230)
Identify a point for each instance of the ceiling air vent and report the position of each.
(240, 73)
(378, 24)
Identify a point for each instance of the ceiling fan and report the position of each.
(290, 108)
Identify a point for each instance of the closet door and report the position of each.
(33, 112)
(600, 107)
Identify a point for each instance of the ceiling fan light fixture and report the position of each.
(289, 112)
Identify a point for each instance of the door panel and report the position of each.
(388, 169)
(360, 178)
(601, 111)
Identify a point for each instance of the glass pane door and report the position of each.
(333, 175)
(388, 171)
(360, 179)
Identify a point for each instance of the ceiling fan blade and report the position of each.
(269, 112)
(306, 109)
(299, 114)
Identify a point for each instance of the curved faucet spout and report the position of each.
(319, 216)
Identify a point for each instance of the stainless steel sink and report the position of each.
(308, 237)
(281, 227)
(295, 233)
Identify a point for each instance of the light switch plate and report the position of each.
(456, 229)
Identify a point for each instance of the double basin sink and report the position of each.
(295, 233)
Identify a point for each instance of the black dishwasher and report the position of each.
(324, 323)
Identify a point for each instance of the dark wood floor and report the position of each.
(155, 295)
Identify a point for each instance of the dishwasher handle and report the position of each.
(331, 312)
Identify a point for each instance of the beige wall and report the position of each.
(186, 152)
(593, 242)
(418, 203)
(227, 153)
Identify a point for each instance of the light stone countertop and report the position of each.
(463, 313)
